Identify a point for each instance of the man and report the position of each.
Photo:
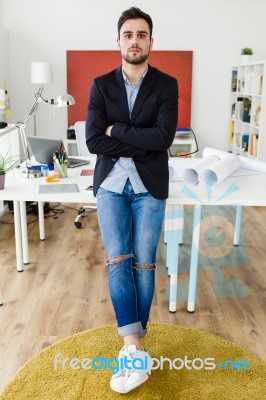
(131, 123)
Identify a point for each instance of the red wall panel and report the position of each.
(84, 65)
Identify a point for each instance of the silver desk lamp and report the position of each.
(61, 101)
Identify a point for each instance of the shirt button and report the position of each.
(114, 159)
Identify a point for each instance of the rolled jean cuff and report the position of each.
(129, 329)
(142, 332)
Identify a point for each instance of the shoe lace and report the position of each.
(132, 355)
(121, 372)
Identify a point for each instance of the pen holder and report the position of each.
(61, 169)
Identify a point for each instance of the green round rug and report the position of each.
(234, 373)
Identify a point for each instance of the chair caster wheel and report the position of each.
(78, 224)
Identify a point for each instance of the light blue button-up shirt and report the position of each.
(125, 168)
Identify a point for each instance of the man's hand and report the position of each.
(108, 130)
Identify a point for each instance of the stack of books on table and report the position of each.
(183, 133)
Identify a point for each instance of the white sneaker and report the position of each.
(117, 382)
(141, 365)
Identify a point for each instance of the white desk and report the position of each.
(19, 190)
(239, 191)
(242, 190)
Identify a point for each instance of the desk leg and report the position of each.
(238, 225)
(181, 226)
(18, 236)
(24, 232)
(192, 286)
(172, 226)
(41, 220)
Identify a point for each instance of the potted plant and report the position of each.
(5, 163)
(246, 53)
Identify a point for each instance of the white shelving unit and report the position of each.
(183, 145)
(9, 142)
(247, 123)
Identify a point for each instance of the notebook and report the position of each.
(43, 148)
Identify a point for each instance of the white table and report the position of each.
(242, 190)
(239, 191)
(19, 190)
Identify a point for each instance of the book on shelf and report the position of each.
(241, 85)
(250, 78)
(234, 81)
(246, 110)
(260, 84)
(233, 110)
(257, 115)
(238, 139)
(245, 142)
(253, 145)
(239, 108)
(230, 137)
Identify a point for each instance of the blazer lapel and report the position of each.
(121, 95)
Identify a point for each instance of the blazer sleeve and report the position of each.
(161, 134)
(96, 124)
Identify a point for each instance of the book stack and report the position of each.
(183, 133)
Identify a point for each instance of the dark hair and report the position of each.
(134, 13)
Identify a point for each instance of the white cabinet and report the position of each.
(183, 146)
(247, 123)
(9, 142)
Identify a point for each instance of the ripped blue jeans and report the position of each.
(130, 226)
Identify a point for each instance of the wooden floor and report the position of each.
(64, 288)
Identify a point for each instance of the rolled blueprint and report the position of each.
(210, 151)
(192, 175)
(253, 165)
(220, 170)
(176, 166)
(215, 166)
(246, 162)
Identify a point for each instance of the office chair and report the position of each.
(82, 151)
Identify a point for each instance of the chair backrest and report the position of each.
(81, 139)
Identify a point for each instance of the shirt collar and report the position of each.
(139, 80)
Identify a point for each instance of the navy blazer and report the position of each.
(145, 137)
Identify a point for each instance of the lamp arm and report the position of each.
(26, 151)
(64, 100)
(33, 109)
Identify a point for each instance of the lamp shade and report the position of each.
(64, 100)
(41, 73)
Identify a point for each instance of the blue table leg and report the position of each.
(173, 223)
(194, 259)
(238, 225)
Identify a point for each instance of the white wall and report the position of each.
(4, 54)
(214, 30)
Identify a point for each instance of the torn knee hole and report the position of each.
(117, 259)
(144, 266)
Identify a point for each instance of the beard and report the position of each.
(136, 60)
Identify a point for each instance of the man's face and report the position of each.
(135, 42)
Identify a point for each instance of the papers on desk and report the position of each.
(215, 166)
(58, 188)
